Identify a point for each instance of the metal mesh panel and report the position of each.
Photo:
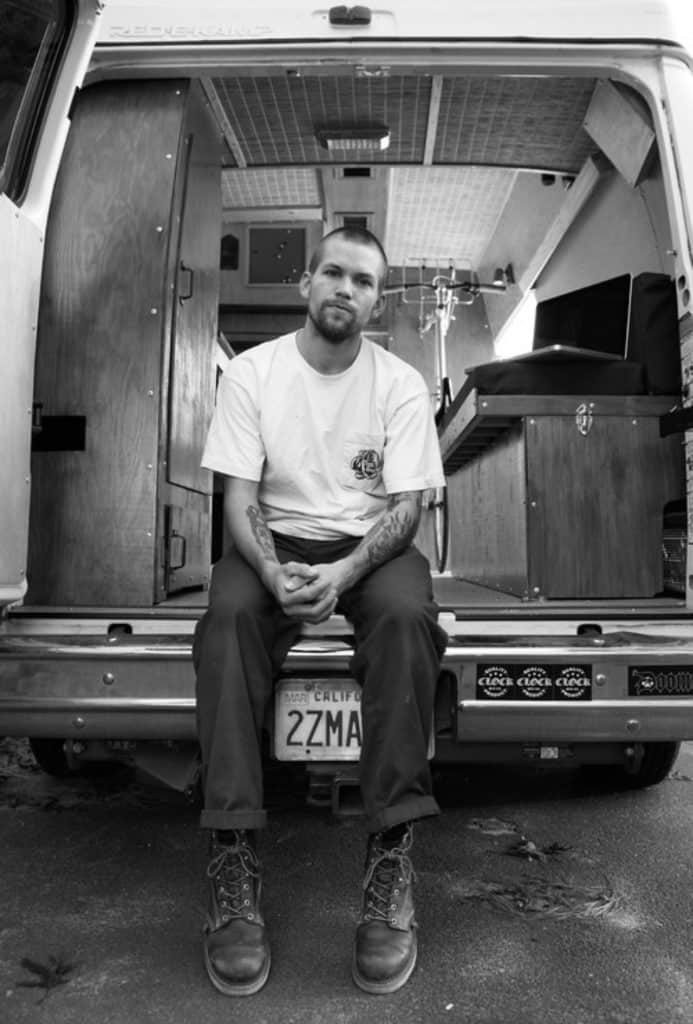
(275, 119)
(281, 186)
(511, 121)
(440, 213)
(516, 122)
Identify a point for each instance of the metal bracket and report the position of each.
(676, 421)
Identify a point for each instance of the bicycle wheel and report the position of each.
(441, 527)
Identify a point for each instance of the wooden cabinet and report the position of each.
(120, 510)
(560, 496)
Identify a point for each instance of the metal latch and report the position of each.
(186, 282)
(175, 545)
(343, 15)
(177, 550)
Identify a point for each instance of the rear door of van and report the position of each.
(45, 46)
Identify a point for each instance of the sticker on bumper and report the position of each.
(660, 681)
(533, 682)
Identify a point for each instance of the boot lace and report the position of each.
(388, 874)
(235, 871)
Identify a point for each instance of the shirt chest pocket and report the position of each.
(361, 466)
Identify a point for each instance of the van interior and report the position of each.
(526, 219)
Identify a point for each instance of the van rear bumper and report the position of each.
(130, 686)
(476, 722)
(598, 721)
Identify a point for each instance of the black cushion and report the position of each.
(565, 377)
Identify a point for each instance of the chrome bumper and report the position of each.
(142, 686)
(598, 721)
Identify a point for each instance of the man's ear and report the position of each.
(304, 284)
(379, 304)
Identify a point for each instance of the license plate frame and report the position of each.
(309, 714)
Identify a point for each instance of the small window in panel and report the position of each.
(32, 38)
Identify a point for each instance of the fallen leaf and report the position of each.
(493, 826)
(57, 971)
(555, 849)
(527, 849)
(538, 897)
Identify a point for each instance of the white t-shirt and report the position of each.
(326, 449)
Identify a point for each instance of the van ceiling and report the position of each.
(457, 143)
(509, 121)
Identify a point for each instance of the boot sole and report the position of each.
(230, 988)
(388, 985)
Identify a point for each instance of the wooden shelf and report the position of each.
(474, 424)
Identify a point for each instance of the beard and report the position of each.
(334, 330)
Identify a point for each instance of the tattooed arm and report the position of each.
(389, 535)
(295, 585)
(392, 532)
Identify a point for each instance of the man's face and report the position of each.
(344, 289)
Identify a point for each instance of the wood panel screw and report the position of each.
(108, 679)
(600, 679)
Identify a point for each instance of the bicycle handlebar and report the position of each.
(471, 287)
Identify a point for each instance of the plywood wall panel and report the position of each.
(596, 505)
(93, 513)
(487, 501)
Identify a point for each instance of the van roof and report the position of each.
(166, 22)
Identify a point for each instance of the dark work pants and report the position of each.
(240, 645)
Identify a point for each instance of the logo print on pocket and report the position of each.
(367, 465)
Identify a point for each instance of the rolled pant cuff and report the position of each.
(408, 810)
(221, 820)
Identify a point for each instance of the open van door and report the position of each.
(45, 46)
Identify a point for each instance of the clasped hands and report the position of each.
(307, 592)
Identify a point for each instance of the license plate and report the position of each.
(317, 720)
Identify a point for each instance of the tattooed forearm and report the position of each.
(410, 497)
(394, 530)
(261, 532)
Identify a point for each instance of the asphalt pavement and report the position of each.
(541, 897)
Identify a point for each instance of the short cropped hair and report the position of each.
(351, 234)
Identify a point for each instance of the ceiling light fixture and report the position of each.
(349, 139)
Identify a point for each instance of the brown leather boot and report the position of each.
(236, 951)
(385, 947)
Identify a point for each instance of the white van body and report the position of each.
(538, 156)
